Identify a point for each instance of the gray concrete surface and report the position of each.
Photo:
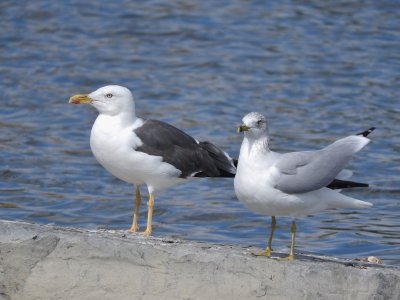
(46, 262)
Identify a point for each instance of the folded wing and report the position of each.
(192, 158)
(301, 172)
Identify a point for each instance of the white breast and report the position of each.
(255, 182)
(113, 145)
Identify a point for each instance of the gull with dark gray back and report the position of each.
(147, 152)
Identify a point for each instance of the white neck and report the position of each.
(251, 147)
(121, 119)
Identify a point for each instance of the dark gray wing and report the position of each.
(182, 151)
(302, 172)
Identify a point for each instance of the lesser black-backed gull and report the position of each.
(148, 152)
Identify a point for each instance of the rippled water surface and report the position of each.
(319, 70)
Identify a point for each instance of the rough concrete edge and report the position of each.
(383, 279)
(124, 235)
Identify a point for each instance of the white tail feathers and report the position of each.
(338, 200)
(362, 204)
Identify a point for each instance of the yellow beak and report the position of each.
(243, 128)
(80, 99)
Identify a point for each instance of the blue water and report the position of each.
(319, 70)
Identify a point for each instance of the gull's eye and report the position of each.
(259, 122)
(109, 95)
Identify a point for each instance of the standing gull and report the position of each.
(291, 184)
(147, 152)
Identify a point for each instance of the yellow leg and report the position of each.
(138, 201)
(150, 206)
(291, 254)
(267, 252)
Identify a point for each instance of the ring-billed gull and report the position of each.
(147, 152)
(291, 184)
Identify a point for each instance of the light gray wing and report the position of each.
(302, 172)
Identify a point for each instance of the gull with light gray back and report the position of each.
(292, 184)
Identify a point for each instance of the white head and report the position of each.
(254, 125)
(109, 100)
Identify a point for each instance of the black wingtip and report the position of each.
(345, 184)
(366, 132)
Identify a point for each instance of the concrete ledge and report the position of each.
(46, 262)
